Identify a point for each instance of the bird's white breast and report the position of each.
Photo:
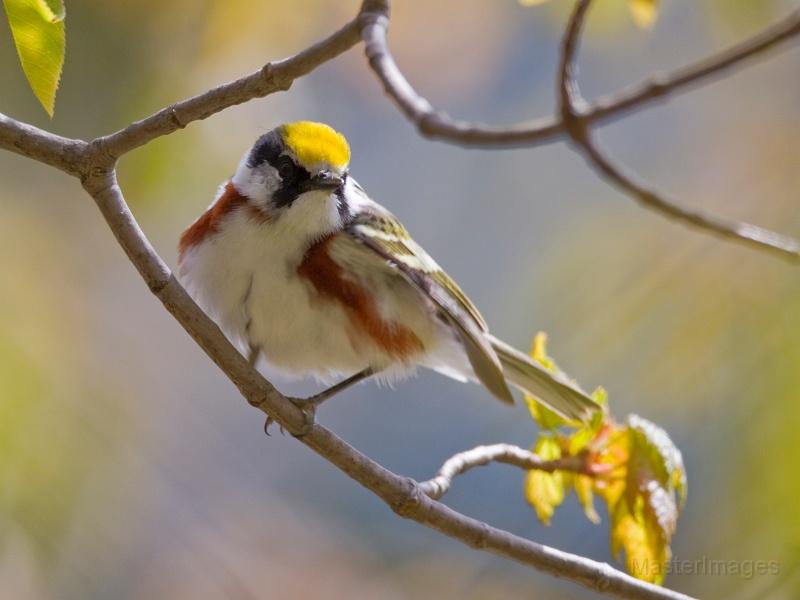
(245, 277)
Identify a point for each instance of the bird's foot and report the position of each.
(309, 410)
(309, 405)
(268, 423)
(317, 399)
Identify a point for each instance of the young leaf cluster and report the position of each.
(634, 468)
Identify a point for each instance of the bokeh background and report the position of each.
(129, 466)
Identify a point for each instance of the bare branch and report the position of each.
(102, 186)
(503, 453)
(62, 153)
(272, 77)
(577, 128)
(736, 231)
(402, 494)
(437, 124)
(659, 86)
(91, 162)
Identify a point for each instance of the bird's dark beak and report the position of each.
(324, 180)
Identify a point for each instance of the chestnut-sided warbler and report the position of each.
(296, 262)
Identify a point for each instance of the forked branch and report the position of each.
(577, 116)
(436, 123)
(479, 456)
(577, 127)
(94, 164)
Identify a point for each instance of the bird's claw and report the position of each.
(269, 422)
(308, 406)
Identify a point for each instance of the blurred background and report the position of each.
(129, 466)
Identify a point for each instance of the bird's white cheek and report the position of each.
(258, 184)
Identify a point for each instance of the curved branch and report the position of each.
(272, 77)
(403, 495)
(62, 153)
(479, 456)
(577, 127)
(739, 232)
(658, 86)
(437, 124)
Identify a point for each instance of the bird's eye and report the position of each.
(286, 168)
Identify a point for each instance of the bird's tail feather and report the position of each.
(551, 389)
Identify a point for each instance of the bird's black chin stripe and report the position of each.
(291, 187)
(345, 215)
(286, 194)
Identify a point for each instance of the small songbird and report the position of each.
(297, 263)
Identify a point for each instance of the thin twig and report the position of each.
(659, 86)
(438, 124)
(479, 456)
(272, 77)
(62, 153)
(91, 163)
(402, 494)
(577, 127)
(71, 155)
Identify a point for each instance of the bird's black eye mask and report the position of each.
(268, 148)
(292, 177)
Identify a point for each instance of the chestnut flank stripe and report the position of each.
(328, 278)
(210, 221)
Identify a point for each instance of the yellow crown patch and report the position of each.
(316, 144)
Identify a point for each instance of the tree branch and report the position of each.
(70, 155)
(659, 86)
(462, 462)
(577, 128)
(93, 164)
(437, 124)
(403, 495)
(62, 153)
(272, 77)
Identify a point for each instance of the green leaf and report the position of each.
(38, 30)
(584, 436)
(644, 12)
(57, 10)
(645, 515)
(545, 491)
(646, 554)
(600, 395)
(662, 454)
(584, 489)
(546, 418)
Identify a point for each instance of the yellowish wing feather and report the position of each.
(386, 236)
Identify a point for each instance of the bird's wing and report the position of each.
(377, 229)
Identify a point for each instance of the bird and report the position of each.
(296, 263)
